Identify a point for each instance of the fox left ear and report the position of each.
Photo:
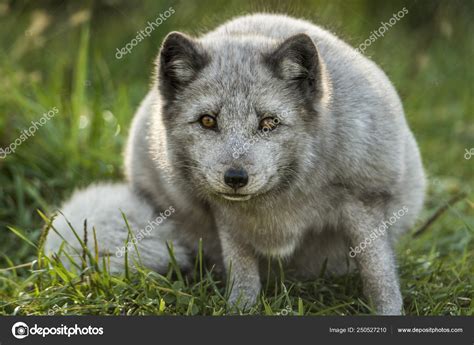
(296, 60)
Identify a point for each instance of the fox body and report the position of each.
(271, 137)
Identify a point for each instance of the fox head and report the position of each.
(238, 114)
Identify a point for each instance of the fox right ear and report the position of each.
(296, 60)
(179, 61)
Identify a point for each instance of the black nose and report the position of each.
(236, 178)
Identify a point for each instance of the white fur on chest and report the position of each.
(278, 232)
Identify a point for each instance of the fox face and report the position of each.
(237, 113)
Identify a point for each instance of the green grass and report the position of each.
(71, 65)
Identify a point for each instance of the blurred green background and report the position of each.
(62, 54)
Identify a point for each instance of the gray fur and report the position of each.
(342, 160)
(102, 206)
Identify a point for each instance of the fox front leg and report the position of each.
(242, 269)
(376, 261)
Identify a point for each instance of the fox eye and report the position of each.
(268, 123)
(208, 121)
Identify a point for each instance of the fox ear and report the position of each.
(296, 60)
(179, 61)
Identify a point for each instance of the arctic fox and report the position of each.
(271, 137)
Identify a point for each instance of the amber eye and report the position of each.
(268, 124)
(208, 121)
